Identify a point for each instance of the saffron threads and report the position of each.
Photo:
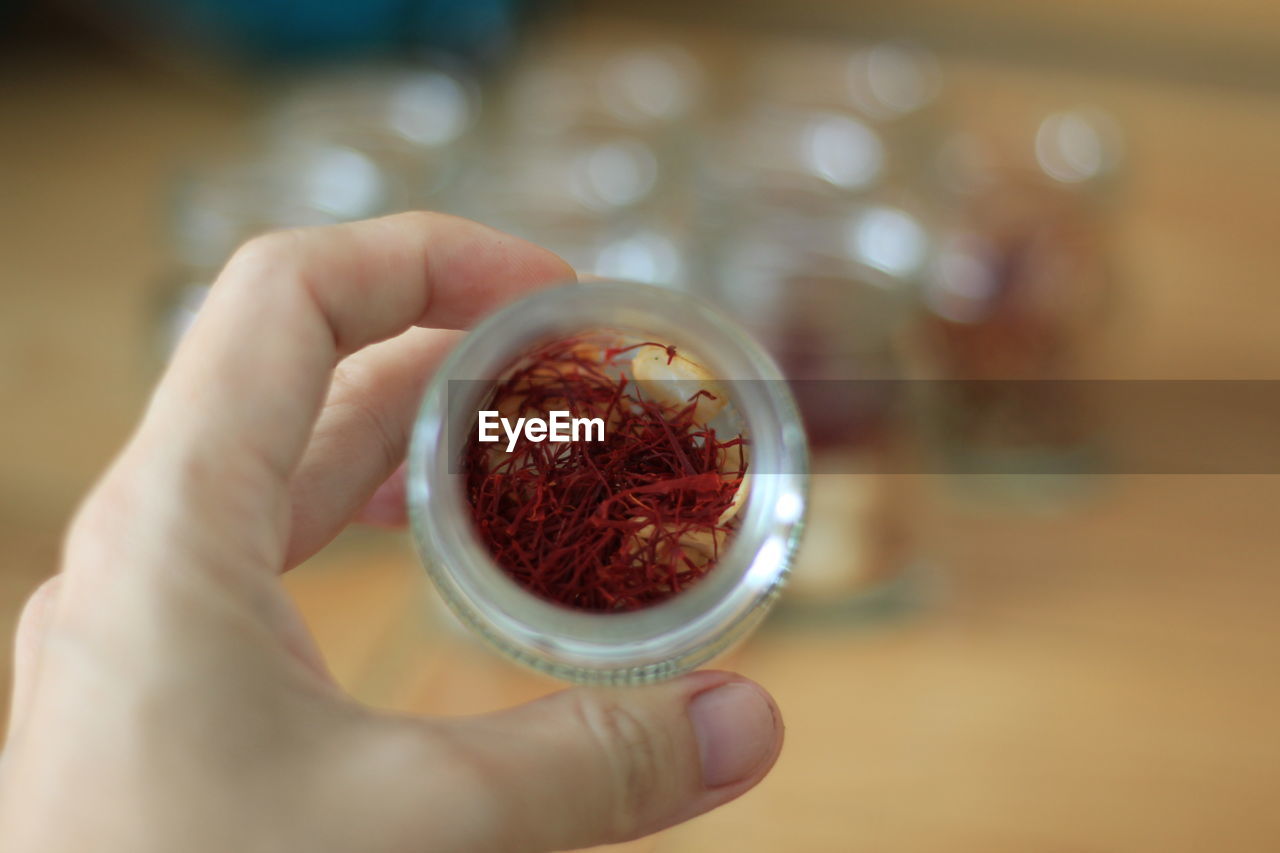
(611, 525)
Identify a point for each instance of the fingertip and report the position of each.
(490, 267)
(738, 730)
(599, 765)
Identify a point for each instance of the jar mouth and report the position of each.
(659, 640)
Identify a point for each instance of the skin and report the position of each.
(167, 695)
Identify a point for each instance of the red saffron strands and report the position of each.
(609, 525)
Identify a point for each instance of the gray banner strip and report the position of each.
(1023, 427)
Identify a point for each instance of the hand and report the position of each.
(168, 697)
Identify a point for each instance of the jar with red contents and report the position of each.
(828, 290)
(491, 565)
(1014, 311)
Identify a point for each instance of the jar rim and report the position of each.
(654, 642)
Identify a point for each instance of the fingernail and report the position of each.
(736, 732)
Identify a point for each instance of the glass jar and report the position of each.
(799, 281)
(664, 639)
(1015, 306)
(391, 137)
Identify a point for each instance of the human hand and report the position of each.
(168, 697)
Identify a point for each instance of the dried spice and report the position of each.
(622, 523)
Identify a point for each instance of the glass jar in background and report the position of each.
(885, 81)
(827, 119)
(600, 200)
(217, 205)
(603, 214)
(592, 152)
(1015, 299)
(823, 230)
(346, 144)
(661, 640)
(653, 89)
(409, 123)
(801, 284)
(791, 156)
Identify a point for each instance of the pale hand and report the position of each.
(168, 697)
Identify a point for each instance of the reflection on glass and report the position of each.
(842, 150)
(892, 79)
(588, 181)
(963, 280)
(783, 153)
(429, 108)
(647, 256)
(650, 84)
(340, 182)
(1076, 146)
(613, 175)
(888, 240)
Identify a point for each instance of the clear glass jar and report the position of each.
(659, 641)
(799, 281)
(1015, 306)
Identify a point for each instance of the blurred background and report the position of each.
(1009, 630)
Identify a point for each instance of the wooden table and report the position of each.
(1099, 678)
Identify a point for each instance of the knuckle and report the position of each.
(35, 621)
(36, 609)
(634, 748)
(98, 520)
(420, 218)
(268, 249)
(477, 788)
(43, 594)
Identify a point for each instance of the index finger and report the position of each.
(250, 377)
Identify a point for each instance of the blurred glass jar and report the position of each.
(823, 235)
(581, 179)
(409, 123)
(825, 118)
(793, 156)
(347, 144)
(217, 206)
(884, 81)
(1015, 299)
(649, 88)
(832, 316)
(592, 153)
(603, 200)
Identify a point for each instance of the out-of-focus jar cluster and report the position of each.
(329, 147)
(818, 191)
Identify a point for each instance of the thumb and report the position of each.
(593, 766)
